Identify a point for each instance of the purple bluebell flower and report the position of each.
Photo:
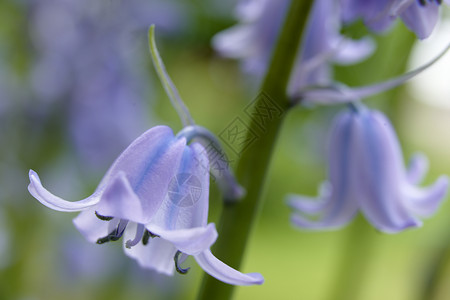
(366, 174)
(156, 195)
(420, 16)
(261, 20)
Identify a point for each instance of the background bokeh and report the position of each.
(77, 86)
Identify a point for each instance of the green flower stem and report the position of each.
(237, 218)
(353, 266)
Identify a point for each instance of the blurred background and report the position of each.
(77, 86)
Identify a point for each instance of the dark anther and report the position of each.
(103, 218)
(422, 2)
(439, 2)
(177, 266)
(147, 236)
(115, 235)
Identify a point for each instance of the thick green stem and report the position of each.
(237, 218)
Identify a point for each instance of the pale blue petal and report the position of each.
(186, 204)
(119, 200)
(217, 269)
(417, 169)
(337, 204)
(351, 51)
(381, 174)
(424, 202)
(249, 10)
(234, 42)
(421, 19)
(149, 164)
(54, 202)
(190, 241)
(156, 255)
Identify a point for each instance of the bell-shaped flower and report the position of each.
(366, 174)
(156, 195)
(420, 16)
(253, 40)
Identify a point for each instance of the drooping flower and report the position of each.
(420, 16)
(253, 40)
(89, 57)
(366, 174)
(155, 195)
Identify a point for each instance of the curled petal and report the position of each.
(214, 267)
(418, 167)
(332, 210)
(190, 241)
(425, 201)
(309, 205)
(54, 202)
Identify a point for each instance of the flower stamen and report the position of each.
(115, 235)
(147, 235)
(138, 237)
(103, 218)
(177, 265)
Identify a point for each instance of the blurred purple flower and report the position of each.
(93, 55)
(420, 16)
(366, 173)
(158, 187)
(261, 20)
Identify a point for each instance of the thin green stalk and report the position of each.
(354, 267)
(436, 286)
(237, 218)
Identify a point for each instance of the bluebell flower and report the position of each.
(366, 174)
(156, 196)
(420, 16)
(254, 38)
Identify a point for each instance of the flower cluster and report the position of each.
(261, 20)
(155, 196)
